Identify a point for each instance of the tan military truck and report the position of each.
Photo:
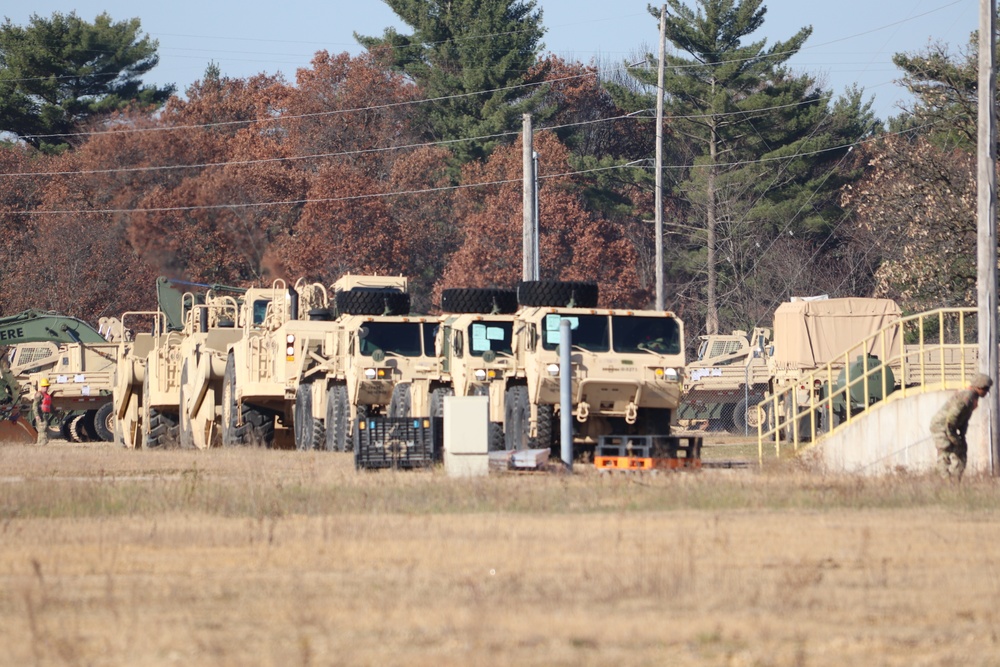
(628, 368)
(203, 355)
(378, 360)
(307, 360)
(151, 367)
(723, 386)
(476, 346)
(811, 332)
(77, 360)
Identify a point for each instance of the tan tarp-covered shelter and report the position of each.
(808, 334)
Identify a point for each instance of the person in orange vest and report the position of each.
(41, 410)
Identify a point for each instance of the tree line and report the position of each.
(406, 159)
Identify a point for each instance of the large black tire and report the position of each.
(372, 302)
(399, 404)
(495, 438)
(76, 432)
(243, 424)
(64, 427)
(309, 432)
(547, 429)
(104, 422)
(259, 426)
(159, 429)
(557, 293)
(517, 418)
(437, 400)
(164, 430)
(338, 418)
(745, 417)
(479, 300)
(89, 426)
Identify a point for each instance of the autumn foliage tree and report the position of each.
(574, 244)
(916, 211)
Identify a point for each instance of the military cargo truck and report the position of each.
(476, 343)
(377, 360)
(811, 333)
(727, 381)
(309, 362)
(628, 368)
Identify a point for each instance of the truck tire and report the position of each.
(479, 300)
(338, 418)
(76, 432)
(163, 431)
(89, 426)
(372, 302)
(399, 404)
(561, 294)
(309, 432)
(517, 418)
(64, 427)
(548, 430)
(242, 424)
(437, 400)
(104, 422)
(745, 417)
(259, 426)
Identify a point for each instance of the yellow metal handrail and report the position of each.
(819, 403)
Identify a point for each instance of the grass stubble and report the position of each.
(255, 557)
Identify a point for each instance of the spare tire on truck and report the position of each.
(372, 302)
(557, 293)
(479, 300)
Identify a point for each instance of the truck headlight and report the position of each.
(553, 370)
(480, 374)
(671, 374)
(290, 338)
(369, 373)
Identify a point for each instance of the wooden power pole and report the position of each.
(986, 212)
(659, 160)
(528, 260)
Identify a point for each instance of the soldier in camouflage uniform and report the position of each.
(950, 424)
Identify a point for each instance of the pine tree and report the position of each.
(472, 57)
(57, 72)
(755, 139)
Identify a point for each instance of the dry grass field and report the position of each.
(252, 557)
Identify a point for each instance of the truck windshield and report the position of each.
(589, 332)
(402, 338)
(632, 333)
(494, 336)
(430, 333)
(260, 311)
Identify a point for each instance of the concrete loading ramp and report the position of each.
(894, 436)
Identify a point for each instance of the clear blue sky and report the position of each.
(852, 40)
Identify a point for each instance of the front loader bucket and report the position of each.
(18, 431)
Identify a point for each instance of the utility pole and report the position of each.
(537, 226)
(986, 211)
(529, 261)
(659, 160)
